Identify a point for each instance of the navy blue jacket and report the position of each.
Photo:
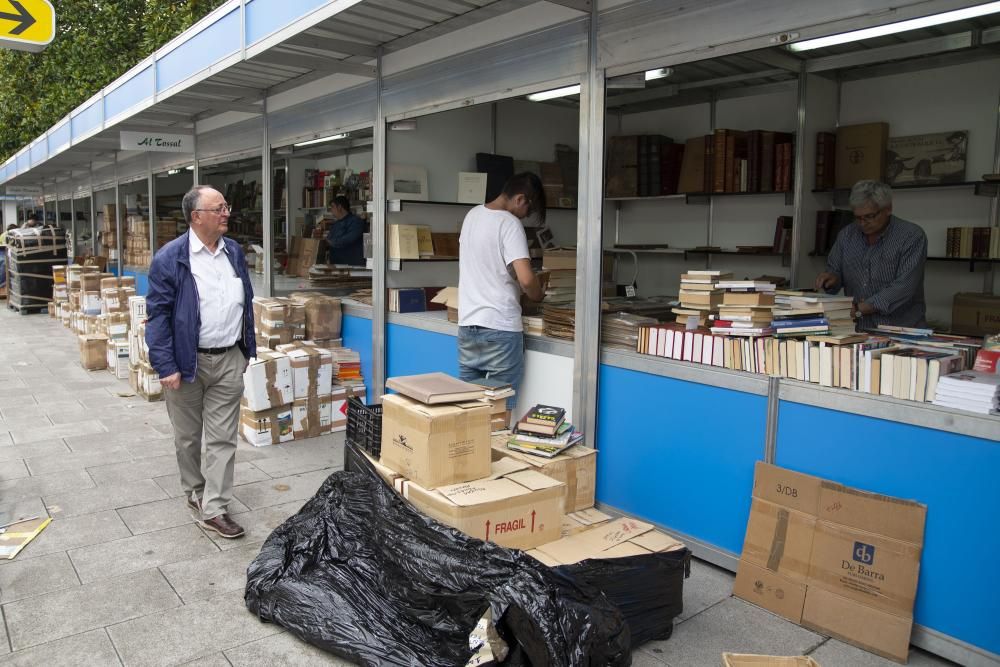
(346, 239)
(173, 316)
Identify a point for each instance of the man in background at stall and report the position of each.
(494, 268)
(199, 329)
(879, 261)
(346, 234)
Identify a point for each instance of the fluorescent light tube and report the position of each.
(902, 26)
(320, 140)
(661, 73)
(171, 172)
(553, 94)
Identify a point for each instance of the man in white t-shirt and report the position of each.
(494, 268)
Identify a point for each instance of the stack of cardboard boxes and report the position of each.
(436, 451)
(143, 379)
(109, 237)
(278, 321)
(289, 394)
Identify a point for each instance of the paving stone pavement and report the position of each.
(124, 576)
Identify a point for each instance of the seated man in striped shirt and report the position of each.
(879, 261)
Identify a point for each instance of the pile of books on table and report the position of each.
(746, 308)
(543, 431)
(976, 391)
(804, 312)
(699, 296)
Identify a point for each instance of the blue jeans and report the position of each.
(491, 353)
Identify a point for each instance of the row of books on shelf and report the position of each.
(871, 364)
(726, 161)
(973, 242)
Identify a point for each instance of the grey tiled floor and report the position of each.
(124, 576)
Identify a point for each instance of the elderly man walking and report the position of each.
(200, 335)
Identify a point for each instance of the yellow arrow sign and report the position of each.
(26, 25)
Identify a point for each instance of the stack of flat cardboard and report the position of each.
(612, 539)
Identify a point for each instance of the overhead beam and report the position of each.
(331, 44)
(135, 127)
(660, 92)
(879, 55)
(479, 15)
(201, 105)
(314, 63)
(579, 5)
(224, 90)
(774, 58)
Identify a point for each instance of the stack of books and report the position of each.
(699, 296)
(803, 312)
(495, 393)
(544, 431)
(347, 367)
(559, 305)
(975, 391)
(534, 325)
(746, 308)
(622, 329)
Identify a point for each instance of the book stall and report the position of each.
(690, 390)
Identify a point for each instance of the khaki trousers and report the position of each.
(205, 415)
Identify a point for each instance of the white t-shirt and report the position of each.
(488, 293)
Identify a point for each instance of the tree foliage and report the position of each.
(96, 42)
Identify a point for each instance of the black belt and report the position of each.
(215, 350)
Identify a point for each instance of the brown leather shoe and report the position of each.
(224, 526)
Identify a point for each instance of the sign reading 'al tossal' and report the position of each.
(144, 141)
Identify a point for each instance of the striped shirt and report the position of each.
(888, 274)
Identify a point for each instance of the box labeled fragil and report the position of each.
(266, 427)
(435, 445)
(515, 506)
(833, 558)
(267, 382)
(576, 467)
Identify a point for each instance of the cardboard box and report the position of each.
(117, 358)
(514, 506)
(975, 314)
(312, 371)
(136, 310)
(577, 522)
(149, 383)
(338, 408)
(311, 416)
(838, 560)
(93, 351)
(435, 445)
(266, 427)
(449, 297)
(267, 382)
(133, 377)
(576, 468)
(323, 315)
(860, 153)
(748, 660)
(613, 539)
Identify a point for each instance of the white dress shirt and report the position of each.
(220, 294)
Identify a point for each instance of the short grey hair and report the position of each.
(875, 192)
(191, 200)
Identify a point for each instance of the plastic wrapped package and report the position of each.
(362, 574)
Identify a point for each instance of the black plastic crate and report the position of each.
(364, 426)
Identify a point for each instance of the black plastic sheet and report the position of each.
(361, 574)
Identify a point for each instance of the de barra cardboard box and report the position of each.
(975, 314)
(576, 468)
(613, 539)
(838, 560)
(514, 506)
(860, 153)
(435, 445)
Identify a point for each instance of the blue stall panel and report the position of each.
(678, 453)
(357, 335)
(267, 16)
(412, 351)
(60, 137)
(141, 281)
(137, 89)
(39, 152)
(954, 475)
(208, 47)
(87, 120)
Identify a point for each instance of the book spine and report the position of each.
(719, 162)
